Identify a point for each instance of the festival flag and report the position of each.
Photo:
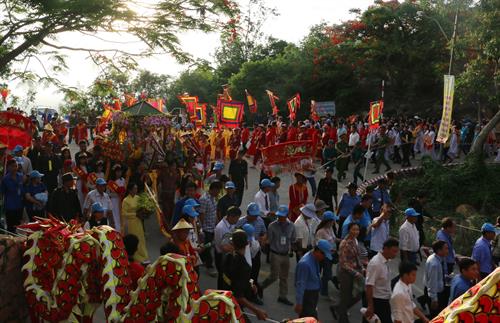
(293, 106)
(252, 103)
(199, 118)
(216, 114)
(117, 104)
(314, 114)
(445, 125)
(375, 116)
(130, 100)
(156, 103)
(191, 102)
(226, 94)
(272, 99)
(230, 113)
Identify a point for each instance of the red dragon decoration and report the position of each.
(69, 273)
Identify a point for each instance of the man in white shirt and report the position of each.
(380, 229)
(409, 237)
(403, 308)
(305, 228)
(262, 200)
(353, 137)
(99, 195)
(378, 282)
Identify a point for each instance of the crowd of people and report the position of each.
(201, 192)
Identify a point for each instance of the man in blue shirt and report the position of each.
(307, 279)
(358, 216)
(469, 272)
(446, 233)
(380, 196)
(347, 202)
(12, 190)
(434, 278)
(481, 252)
(189, 194)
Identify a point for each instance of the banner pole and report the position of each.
(367, 160)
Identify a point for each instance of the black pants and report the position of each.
(443, 298)
(13, 218)
(406, 148)
(240, 188)
(397, 156)
(309, 303)
(206, 255)
(382, 308)
(218, 265)
(32, 213)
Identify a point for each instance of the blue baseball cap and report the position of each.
(330, 216)
(189, 210)
(36, 174)
(253, 209)
(17, 149)
(266, 182)
(488, 227)
(249, 230)
(218, 166)
(326, 247)
(100, 181)
(411, 212)
(230, 185)
(97, 207)
(191, 202)
(282, 211)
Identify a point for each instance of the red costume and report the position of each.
(234, 144)
(220, 147)
(80, 132)
(298, 197)
(245, 135)
(332, 134)
(49, 137)
(283, 136)
(292, 134)
(270, 136)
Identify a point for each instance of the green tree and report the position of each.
(155, 85)
(27, 25)
(199, 81)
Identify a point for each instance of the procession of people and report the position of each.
(339, 238)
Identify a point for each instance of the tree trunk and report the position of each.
(477, 147)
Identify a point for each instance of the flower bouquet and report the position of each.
(145, 206)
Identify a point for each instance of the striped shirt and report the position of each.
(208, 207)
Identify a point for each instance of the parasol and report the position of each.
(142, 108)
(15, 129)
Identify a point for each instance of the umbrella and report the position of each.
(142, 108)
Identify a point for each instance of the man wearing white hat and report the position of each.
(305, 227)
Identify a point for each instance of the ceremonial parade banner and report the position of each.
(288, 152)
(293, 106)
(375, 115)
(15, 129)
(445, 125)
(231, 113)
(272, 101)
(325, 108)
(252, 103)
(191, 102)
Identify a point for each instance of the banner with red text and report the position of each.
(288, 152)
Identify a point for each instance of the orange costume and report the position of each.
(220, 146)
(298, 197)
(49, 137)
(80, 132)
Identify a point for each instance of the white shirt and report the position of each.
(222, 232)
(260, 200)
(305, 230)
(408, 237)
(353, 139)
(402, 304)
(378, 276)
(379, 235)
(93, 197)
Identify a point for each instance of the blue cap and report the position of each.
(488, 227)
(17, 149)
(330, 216)
(230, 185)
(282, 210)
(249, 230)
(19, 160)
(36, 174)
(100, 181)
(191, 202)
(326, 247)
(218, 165)
(253, 209)
(266, 182)
(97, 207)
(411, 212)
(189, 210)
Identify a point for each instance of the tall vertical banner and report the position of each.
(191, 102)
(272, 101)
(252, 103)
(445, 125)
(314, 113)
(293, 105)
(375, 115)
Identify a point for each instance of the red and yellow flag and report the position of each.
(252, 103)
(375, 115)
(272, 100)
(293, 106)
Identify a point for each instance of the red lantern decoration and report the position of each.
(117, 105)
(4, 92)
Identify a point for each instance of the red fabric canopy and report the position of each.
(15, 129)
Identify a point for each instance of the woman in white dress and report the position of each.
(117, 189)
(454, 143)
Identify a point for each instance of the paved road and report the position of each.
(276, 311)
